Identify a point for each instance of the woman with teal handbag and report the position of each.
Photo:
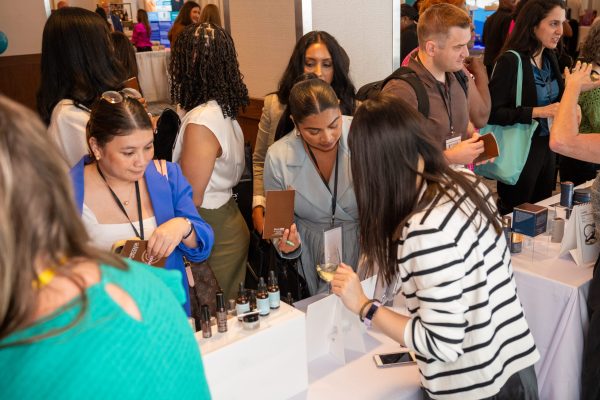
(537, 32)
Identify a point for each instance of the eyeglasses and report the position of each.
(114, 97)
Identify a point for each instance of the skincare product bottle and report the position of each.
(506, 228)
(231, 309)
(221, 313)
(206, 328)
(516, 243)
(252, 298)
(262, 298)
(242, 304)
(289, 299)
(273, 289)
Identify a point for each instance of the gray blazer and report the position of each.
(271, 114)
(288, 165)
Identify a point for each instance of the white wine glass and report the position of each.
(326, 269)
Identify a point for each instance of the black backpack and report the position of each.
(370, 90)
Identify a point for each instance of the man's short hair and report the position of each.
(438, 19)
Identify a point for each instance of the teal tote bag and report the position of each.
(514, 142)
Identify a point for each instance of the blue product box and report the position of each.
(529, 219)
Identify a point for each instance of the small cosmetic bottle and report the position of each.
(242, 304)
(251, 293)
(206, 328)
(221, 313)
(516, 243)
(506, 228)
(251, 322)
(262, 298)
(273, 288)
(231, 309)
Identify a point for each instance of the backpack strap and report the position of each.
(463, 80)
(409, 76)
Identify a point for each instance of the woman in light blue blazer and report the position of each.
(314, 161)
(121, 194)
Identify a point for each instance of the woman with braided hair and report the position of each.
(206, 82)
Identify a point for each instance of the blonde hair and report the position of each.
(437, 20)
(210, 14)
(39, 218)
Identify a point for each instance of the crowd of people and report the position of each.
(394, 172)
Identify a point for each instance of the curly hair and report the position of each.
(204, 67)
(590, 49)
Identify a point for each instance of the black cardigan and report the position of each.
(503, 87)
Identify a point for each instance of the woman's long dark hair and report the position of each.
(523, 39)
(78, 60)
(142, 18)
(125, 53)
(341, 83)
(185, 13)
(204, 67)
(386, 139)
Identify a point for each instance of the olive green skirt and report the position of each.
(230, 251)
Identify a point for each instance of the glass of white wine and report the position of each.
(328, 266)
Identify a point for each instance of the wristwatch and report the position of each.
(368, 320)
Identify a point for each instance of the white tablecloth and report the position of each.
(553, 292)
(153, 75)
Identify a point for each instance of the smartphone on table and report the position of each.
(393, 359)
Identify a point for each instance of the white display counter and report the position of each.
(270, 361)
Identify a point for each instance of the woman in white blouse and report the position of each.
(206, 82)
(77, 66)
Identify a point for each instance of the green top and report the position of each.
(108, 354)
(590, 111)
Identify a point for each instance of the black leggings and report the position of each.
(537, 179)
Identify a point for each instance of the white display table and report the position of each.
(553, 291)
(268, 363)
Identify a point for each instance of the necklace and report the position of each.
(139, 233)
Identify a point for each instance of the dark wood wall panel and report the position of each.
(249, 119)
(20, 78)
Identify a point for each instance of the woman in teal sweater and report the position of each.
(76, 322)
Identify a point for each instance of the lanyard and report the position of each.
(139, 234)
(335, 179)
(447, 103)
(445, 94)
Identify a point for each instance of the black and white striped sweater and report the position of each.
(467, 324)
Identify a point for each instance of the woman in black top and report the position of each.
(537, 31)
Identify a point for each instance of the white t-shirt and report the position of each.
(230, 165)
(67, 128)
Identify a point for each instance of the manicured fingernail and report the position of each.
(290, 243)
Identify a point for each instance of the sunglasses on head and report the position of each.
(115, 97)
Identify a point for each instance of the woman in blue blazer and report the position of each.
(117, 204)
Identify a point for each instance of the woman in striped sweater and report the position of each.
(435, 233)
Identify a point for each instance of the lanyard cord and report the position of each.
(448, 102)
(335, 179)
(139, 234)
